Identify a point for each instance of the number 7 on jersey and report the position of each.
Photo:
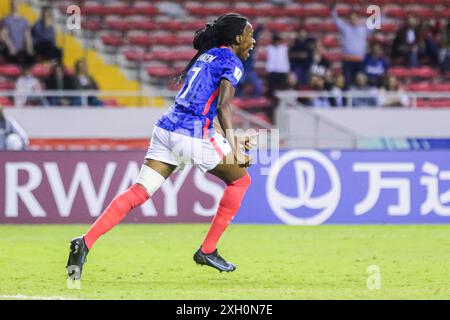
(196, 70)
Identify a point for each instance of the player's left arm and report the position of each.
(224, 113)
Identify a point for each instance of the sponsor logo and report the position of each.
(290, 208)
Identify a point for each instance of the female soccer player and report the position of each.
(185, 134)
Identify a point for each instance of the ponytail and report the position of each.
(222, 31)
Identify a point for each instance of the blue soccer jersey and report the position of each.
(195, 105)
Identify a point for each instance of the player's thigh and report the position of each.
(228, 173)
(164, 169)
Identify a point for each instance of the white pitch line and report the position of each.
(21, 296)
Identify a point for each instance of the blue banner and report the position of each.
(310, 187)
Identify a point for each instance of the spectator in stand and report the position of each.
(277, 65)
(407, 44)
(26, 85)
(354, 42)
(361, 94)
(335, 86)
(319, 65)
(12, 135)
(392, 95)
(300, 55)
(44, 39)
(17, 37)
(3, 48)
(84, 81)
(375, 65)
(445, 49)
(250, 84)
(317, 83)
(60, 80)
(431, 33)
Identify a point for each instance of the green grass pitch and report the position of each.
(274, 262)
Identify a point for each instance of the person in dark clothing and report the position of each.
(375, 65)
(84, 81)
(408, 45)
(16, 36)
(44, 40)
(59, 80)
(319, 64)
(301, 54)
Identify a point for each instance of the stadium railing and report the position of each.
(415, 99)
(412, 127)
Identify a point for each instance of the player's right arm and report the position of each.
(224, 115)
(340, 24)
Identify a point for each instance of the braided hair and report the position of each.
(221, 32)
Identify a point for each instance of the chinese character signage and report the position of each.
(298, 187)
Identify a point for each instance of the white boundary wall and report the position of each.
(67, 123)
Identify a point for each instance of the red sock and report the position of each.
(133, 197)
(228, 207)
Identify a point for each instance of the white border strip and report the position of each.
(21, 296)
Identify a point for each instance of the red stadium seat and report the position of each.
(141, 40)
(93, 10)
(111, 40)
(321, 27)
(146, 25)
(111, 103)
(136, 56)
(445, 14)
(170, 25)
(91, 25)
(389, 27)
(185, 40)
(433, 103)
(119, 25)
(10, 71)
(423, 72)
(163, 72)
(330, 42)
(41, 71)
(6, 102)
(399, 72)
(120, 10)
(426, 86)
(184, 55)
(193, 25)
(396, 13)
(317, 12)
(7, 85)
(166, 40)
(280, 27)
(442, 87)
(421, 13)
(162, 55)
(419, 86)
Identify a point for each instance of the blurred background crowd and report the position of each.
(301, 45)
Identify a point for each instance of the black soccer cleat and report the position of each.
(213, 260)
(77, 258)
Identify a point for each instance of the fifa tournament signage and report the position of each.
(298, 187)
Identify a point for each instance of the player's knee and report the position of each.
(243, 181)
(150, 179)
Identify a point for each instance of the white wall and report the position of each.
(66, 123)
(345, 128)
(393, 123)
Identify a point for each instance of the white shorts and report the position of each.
(179, 150)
